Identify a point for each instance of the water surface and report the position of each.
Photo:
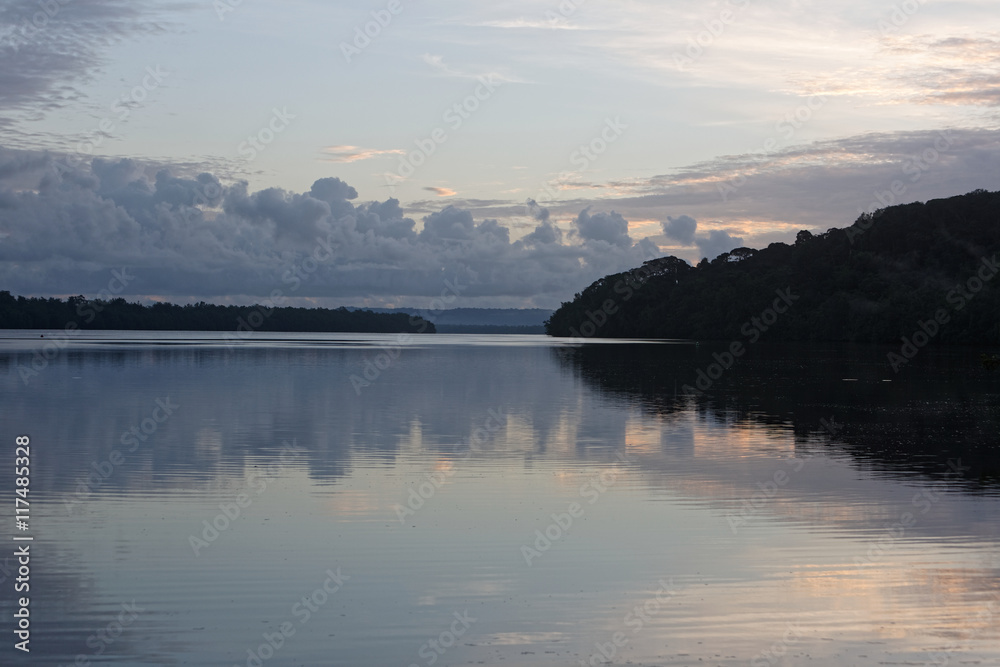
(483, 499)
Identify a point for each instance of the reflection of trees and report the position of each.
(239, 406)
(943, 407)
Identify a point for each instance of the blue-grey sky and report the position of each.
(197, 143)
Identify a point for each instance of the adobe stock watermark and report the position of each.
(88, 311)
(958, 298)
(915, 167)
(752, 329)
(636, 619)
(364, 35)
(372, 368)
(207, 194)
(625, 288)
(898, 16)
(302, 611)
(922, 502)
(583, 157)
(714, 29)
(122, 106)
(985, 622)
(878, 548)
(103, 639)
(766, 492)
(229, 512)
(265, 136)
(432, 650)
(321, 254)
(223, 7)
(563, 12)
(785, 128)
(101, 471)
(455, 117)
(592, 490)
(30, 27)
(121, 109)
(777, 651)
(434, 481)
(768, 489)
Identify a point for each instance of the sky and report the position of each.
(394, 153)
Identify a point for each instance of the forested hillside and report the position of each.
(878, 280)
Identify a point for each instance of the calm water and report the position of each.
(515, 500)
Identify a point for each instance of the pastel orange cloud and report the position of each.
(356, 153)
(441, 192)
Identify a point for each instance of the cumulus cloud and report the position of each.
(539, 213)
(717, 242)
(683, 229)
(63, 230)
(769, 196)
(545, 233)
(610, 228)
(680, 229)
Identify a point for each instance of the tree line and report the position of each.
(897, 271)
(77, 312)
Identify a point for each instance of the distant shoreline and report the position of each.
(80, 314)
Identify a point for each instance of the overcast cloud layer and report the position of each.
(510, 153)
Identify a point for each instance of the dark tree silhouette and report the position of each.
(875, 281)
(79, 313)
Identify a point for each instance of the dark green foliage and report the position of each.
(871, 282)
(118, 314)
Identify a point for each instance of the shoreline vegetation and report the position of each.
(915, 272)
(77, 312)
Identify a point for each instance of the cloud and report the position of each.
(449, 224)
(538, 212)
(356, 153)
(610, 228)
(49, 50)
(815, 186)
(441, 192)
(917, 69)
(437, 62)
(544, 234)
(680, 229)
(770, 195)
(526, 24)
(716, 243)
(191, 236)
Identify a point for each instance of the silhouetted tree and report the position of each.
(118, 314)
(874, 281)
